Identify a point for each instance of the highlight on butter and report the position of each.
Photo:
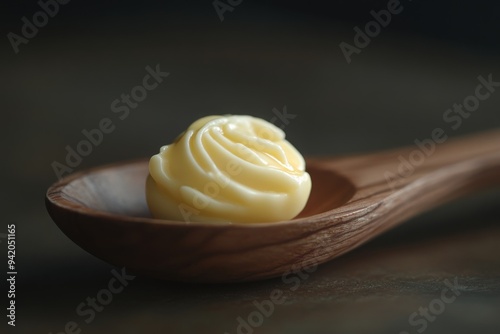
(228, 168)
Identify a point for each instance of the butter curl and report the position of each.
(228, 169)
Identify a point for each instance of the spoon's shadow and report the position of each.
(329, 191)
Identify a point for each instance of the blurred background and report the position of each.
(259, 58)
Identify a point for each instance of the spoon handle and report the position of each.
(384, 189)
(419, 177)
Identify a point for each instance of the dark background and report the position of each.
(264, 55)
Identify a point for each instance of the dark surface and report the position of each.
(263, 56)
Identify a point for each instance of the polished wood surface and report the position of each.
(354, 199)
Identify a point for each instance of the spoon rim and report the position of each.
(53, 197)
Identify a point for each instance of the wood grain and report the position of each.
(104, 211)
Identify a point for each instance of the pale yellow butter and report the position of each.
(228, 169)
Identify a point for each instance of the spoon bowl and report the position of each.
(353, 199)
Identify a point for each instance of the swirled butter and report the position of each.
(228, 169)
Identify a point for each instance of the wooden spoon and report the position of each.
(353, 199)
